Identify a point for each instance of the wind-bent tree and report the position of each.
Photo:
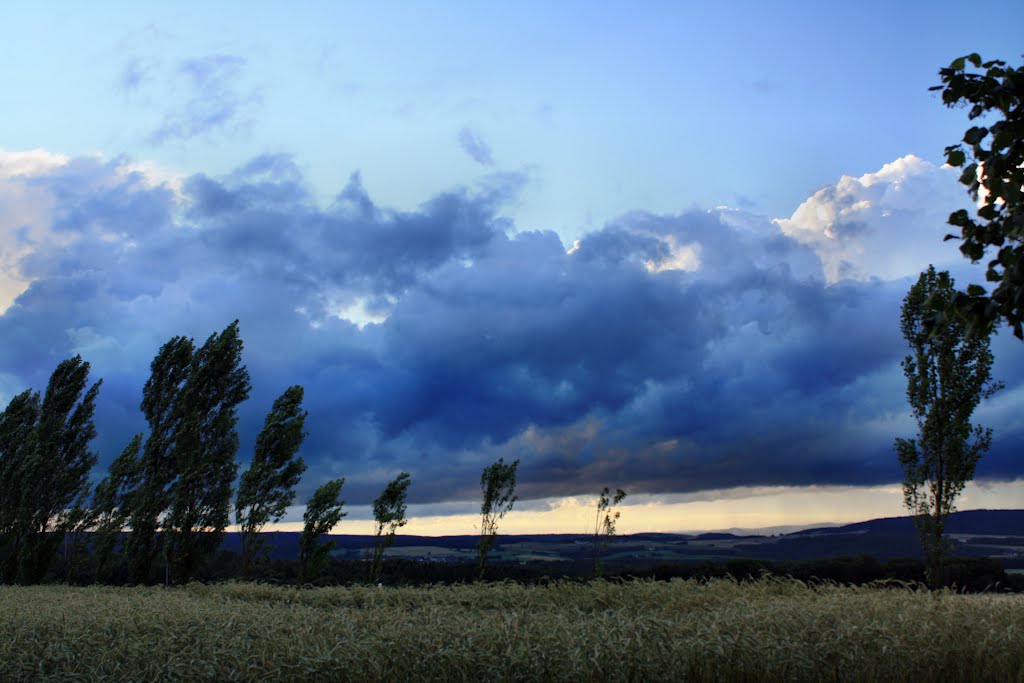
(205, 444)
(996, 155)
(150, 497)
(17, 442)
(323, 512)
(389, 514)
(53, 477)
(498, 483)
(948, 374)
(604, 524)
(267, 488)
(110, 507)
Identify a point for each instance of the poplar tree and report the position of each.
(948, 374)
(604, 524)
(267, 488)
(323, 512)
(17, 441)
(205, 443)
(389, 515)
(498, 483)
(149, 498)
(49, 469)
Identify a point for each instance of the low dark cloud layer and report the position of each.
(661, 353)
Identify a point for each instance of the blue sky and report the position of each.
(659, 246)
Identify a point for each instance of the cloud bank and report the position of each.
(659, 353)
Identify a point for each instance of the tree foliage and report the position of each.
(45, 459)
(267, 488)
(149, 498)
(179, 500)
(604, 524)
(389, 516)
(17, 442)
(498, 483)
(992, 159)
(323, 512)
(948, 374)
(205, 445)
(110, 505)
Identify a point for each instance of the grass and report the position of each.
(770, 629)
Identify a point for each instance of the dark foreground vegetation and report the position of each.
(963, 574)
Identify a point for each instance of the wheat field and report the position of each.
(721, 630)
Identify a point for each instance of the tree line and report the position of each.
(172, 489)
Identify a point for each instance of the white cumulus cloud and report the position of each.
(888, 224)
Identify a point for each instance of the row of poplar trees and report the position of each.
(172, 489)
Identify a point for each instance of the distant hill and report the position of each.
(979, 533)
(977, 522)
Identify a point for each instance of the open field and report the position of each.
(771, 629)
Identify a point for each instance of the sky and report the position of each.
(652, 246)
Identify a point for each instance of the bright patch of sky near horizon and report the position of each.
(603, 109)
(764, 510)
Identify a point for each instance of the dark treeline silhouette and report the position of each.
(966, 574)
(171, 489)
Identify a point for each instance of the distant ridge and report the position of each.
(884, 538)
(981, 522)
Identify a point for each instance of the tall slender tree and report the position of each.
(267, 488)
(323, 512)
(498, 483)
(948, 374)
(54, 475)
(205, 444)
(17, 442)
(149, 498)
(389, 515)
(604, 524)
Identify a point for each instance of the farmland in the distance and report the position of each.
(770, 629)
(998, 534)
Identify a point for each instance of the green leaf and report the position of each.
(974, 58)
(958, 64)
(975, 290)
(975, 135)
(956, 157)
(970, 173)
(973, 251)
(959, 218)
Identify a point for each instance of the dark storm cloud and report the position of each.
(662, 353)
(264, 218)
